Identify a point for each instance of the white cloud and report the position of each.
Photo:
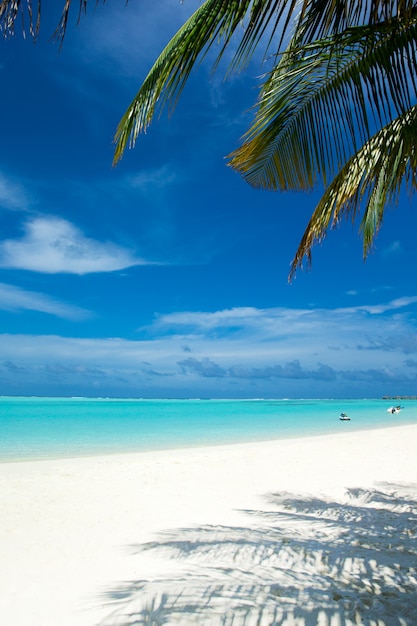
(339, 337)
(377, 309)
(14, 299)
(53, 245)
(279, 321)
(207, 320)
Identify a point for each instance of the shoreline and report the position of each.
(207, 445)
(74, 530)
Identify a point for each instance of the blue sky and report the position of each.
(167, 275)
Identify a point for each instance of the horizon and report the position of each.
(214, 399)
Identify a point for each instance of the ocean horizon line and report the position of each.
(206, 399)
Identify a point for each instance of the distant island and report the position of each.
(399, 397)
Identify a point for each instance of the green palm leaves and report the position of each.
(30, 13)
(216, 21)
(340, 110)
(372, 178)
(338, 107)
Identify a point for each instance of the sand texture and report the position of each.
(320, 531)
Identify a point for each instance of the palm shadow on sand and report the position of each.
(299, 562)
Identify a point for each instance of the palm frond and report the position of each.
(323, 18)
(61, 29)
(216, 21)
(372, 178)
(261, 21)
(319, 103)
(11, 10)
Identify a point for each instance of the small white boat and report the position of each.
(394, 409)
(344, 417)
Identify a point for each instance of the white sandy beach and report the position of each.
(316, 531)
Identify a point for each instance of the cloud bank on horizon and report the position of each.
(242, 352)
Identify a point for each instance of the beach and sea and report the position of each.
(212, 512)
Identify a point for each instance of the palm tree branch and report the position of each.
(214, 21)
(10, 10)
(316, 19)
(373, 177)
(322, 18)
(315, 107)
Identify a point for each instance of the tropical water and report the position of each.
(39, 428)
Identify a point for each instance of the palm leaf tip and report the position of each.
(370, 180)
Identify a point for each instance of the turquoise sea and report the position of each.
(42, 428)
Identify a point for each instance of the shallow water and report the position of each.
(35, 428)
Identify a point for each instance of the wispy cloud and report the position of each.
(378, 309)
(278, 322)
(53, 245)
(394, 248)
(151, 179)
(14, 299)
(12, 194)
